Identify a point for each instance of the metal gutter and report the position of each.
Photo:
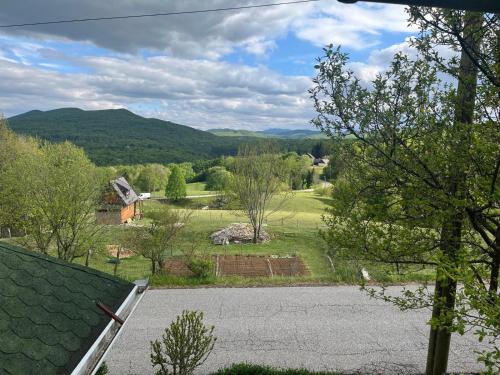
(103, 357)
(94, 356)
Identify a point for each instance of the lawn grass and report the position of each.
(197, 188)
(193, 188)
(294, 231)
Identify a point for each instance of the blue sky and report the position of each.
(248, 69)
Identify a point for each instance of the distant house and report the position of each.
(118, 204)
(57, 317)
(321, 162)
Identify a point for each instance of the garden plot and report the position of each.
(259, 266)
(245, 266)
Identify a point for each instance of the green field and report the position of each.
(194, 188)
(294, 230)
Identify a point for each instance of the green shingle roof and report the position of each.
(48, 313)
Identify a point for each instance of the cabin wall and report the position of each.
(127, 213)
(108, 217)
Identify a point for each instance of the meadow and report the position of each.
(294, 229)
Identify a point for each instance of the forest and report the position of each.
(118, 136)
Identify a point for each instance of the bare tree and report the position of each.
(258, 178)
(156, 240)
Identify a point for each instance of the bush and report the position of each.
(323, 191)
(224, 202)
(185, 345)
(201, 267)
(103, 370)
(248, 369)
(217, 179)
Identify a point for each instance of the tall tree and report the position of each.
(176, 187)
(410, 173)
(51, 191)
(152, 177)
(258, 177)
(475, 38)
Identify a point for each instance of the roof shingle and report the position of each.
(48, 313)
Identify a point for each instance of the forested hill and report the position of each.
(118, 136)
(271, 133)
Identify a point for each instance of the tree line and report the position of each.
(49, 192)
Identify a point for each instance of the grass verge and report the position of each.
(249, 369)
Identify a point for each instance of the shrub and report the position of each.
(323, 191)
(217, 179)
(220, 202)
(249, 369)
(201, 267)
(185, 345)
(103, 370)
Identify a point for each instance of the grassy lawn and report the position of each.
(197, 188)
(194, 188)
(294, 230)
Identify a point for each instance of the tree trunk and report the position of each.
(436, 311)
(87, 258)
(444, 299)
(495, 265)
(451, 232)
(117, 260)
(255, 234)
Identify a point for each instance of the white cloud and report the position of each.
(379, 60)
(208, 35)
(200, 93)
(352, 25)
(188, 83)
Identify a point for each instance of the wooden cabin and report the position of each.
(119, 203)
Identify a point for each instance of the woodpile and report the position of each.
(113, 251)
(237, 233)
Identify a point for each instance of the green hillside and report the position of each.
(237, 133)
(295, 133)
(270, 133)
(118, 136)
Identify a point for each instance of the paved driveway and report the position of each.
(334, 328)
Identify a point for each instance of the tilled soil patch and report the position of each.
(245, 266)
(177, 267)
(292, 266)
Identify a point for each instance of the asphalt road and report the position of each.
(320, 328)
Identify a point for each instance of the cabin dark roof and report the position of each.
(48, 313)
(125, 191)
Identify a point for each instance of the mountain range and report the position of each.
(118, 136)
(271, 133)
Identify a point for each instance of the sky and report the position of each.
(248, 69)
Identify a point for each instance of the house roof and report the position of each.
(125, 191)
(48, 313)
